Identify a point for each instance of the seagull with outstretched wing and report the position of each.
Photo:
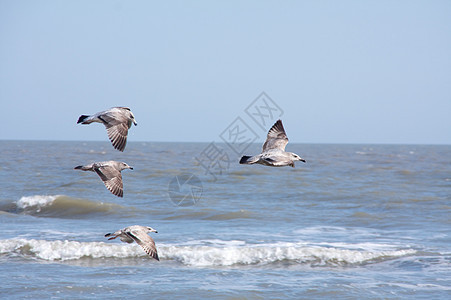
(110, 173)
(273, 153)
(117, 121)
(138, 234)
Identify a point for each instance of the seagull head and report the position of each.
(150, 229)
(132, 117)
(295, 157)
(125, 166)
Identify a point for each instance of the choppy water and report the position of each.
(355, 221)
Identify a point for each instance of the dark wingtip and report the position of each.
(119, 147)
(278, 126)
(78, 167)
(278, 122)
(107, 235)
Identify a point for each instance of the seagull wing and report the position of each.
(276, 139)
(112, 179)
(145, 241)
(118, 135)
(117, 124)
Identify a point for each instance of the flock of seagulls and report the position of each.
(118, 120)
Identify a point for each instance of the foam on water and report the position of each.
(272, 253)
(66, 250)
(221, 253)
(36, 201)
(63, 206)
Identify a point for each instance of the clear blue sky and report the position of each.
(342, 71)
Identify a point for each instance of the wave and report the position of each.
(215, 254)
(61, 206)
(209, 214)
(240, 214)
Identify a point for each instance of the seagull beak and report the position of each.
(134, 122)
(131, 168)
(303, 160)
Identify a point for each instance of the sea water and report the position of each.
(355, 221)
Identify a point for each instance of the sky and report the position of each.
(340, 71)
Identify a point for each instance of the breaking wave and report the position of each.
(222, 253)
(62, 206)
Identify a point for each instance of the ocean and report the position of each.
(353, 222)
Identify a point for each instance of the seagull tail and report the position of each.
(83, 168)
(83, 119)
(245, 160)
(112, 236)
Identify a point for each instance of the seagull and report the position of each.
(117, 121)
(138, 234)
(110, 173)
(273, 153)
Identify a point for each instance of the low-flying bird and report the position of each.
(110, 173)
(138, 234)
(117, 121)
(273, 153)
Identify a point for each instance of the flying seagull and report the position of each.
(273, 153)
(110, 173)
(138, 234)
(117, 121)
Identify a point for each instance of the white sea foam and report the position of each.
(271, 253)
(63, 206)
(200, 255)
(36, 201)
(66, 250)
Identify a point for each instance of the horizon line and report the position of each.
(222, 142)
